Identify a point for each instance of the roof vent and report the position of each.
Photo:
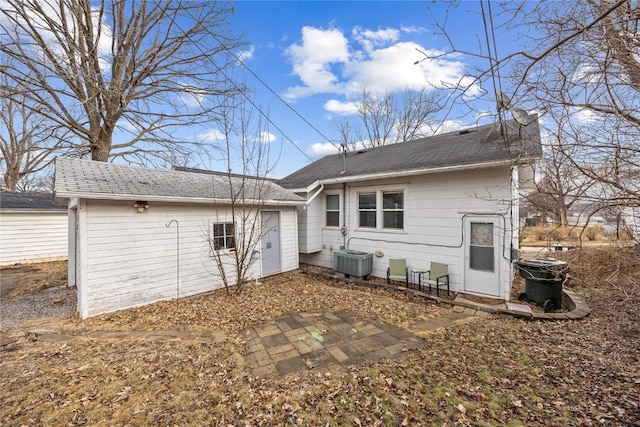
(361, 151)
(464, 132)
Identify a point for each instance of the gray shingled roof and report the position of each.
(89, 179)
(10, 201)
(477, 146)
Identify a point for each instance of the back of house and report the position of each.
(451, 199)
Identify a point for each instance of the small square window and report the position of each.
(223, 236)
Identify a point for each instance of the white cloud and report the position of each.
(191, 96)
(327, 63)
(412, 29)
(585, 116)
(313, 58)
(265, 137)
(446, 126)
(321, 149)
(339, 107)
(212, 135)
(246, 55)
(586, 74)
(371, 39)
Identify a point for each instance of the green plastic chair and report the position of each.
(438, 275)
(397, 270)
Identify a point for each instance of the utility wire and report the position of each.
(253, 104)
(265, 84)
(493, 65)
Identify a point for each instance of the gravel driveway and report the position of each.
(52, 302)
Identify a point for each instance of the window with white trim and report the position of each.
(223, 236)
(332, 210)
(381, 209)
(393, 209)
(367, 209)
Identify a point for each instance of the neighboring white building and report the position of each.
(631, 216)
(32, 228)
(451, 198)
(134, 231)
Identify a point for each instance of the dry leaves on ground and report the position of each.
(494, 371)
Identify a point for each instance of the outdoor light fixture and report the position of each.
(141, 206)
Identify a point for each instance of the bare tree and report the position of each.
(561, 186)
(234, 238)
(579, 65)
(121, 76)
(27, 143)
(382, 119)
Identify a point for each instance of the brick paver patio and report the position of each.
(330, 341)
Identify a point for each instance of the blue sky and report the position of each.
(319, 56)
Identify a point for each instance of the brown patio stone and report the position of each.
(269, 370)
(350, 351)
(296, 332)
(286, 355)
(364, 344)
(279, 349)
(338, 354)
(372, 331)
(290, 365)
(276, 340)
(262, 358)
(332, 341)
(271, 330)
(283, 325)
(302, 347)
(396, 348)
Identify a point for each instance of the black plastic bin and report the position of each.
(543, 280)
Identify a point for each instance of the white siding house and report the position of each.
(451, 199)
(141, 235)
(32, 228)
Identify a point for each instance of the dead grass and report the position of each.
(495, 371)
(543, 235)
(32, 278)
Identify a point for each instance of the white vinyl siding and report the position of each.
(434, 206)
(130, 259)
(310, 222)
(32, 237)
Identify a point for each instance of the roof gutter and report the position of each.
(412, 172)
(60, 197)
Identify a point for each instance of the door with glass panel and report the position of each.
(481, 252)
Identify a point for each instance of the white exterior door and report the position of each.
(481, 252)
(270, 247)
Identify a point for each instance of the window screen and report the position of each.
(481, 253)
(367, 209)
(393, 209)
(333, 210)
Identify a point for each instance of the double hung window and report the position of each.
(381, 209)
(332, 210)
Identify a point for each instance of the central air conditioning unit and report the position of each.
(353, 263)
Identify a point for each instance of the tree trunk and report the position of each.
(11, 178)
(101, 148)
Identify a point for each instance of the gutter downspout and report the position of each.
(344, 216)
(315, 195)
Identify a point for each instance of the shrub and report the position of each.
(536, 233)
(592, 233)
